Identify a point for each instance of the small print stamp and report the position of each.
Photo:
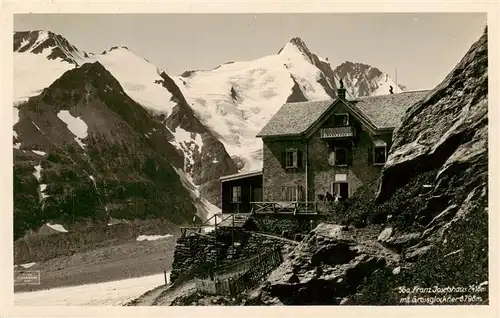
(27, 278)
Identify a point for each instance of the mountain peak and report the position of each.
(295, 45)
(40, 41)
(298, 42)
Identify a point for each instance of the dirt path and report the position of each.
(166, 298)
(164, 295)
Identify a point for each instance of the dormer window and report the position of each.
(340, 120)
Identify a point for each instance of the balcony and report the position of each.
(294, 207)
(338, 132)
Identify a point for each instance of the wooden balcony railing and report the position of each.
(292, 207)
(338, 132)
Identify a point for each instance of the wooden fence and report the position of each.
(245, 275)
(294, 208)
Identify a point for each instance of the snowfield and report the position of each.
(138, 78)
(47, 71)
(237, 99)
(114, 293)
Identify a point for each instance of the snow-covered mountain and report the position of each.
(236, 99)
(212, 116)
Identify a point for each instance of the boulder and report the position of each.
(326, 267)
(385, 234)
(404, 240)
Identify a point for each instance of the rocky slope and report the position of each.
(431, 210)
(84, 149)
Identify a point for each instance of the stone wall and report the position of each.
(289, 227)
(275, 176)
(321, 174)
(199, 253)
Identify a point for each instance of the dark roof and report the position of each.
(385, 111)
(241, 175)
(295, 118)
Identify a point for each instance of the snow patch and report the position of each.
(42, 188)
(36, 126)
(188, 142)
(153, 237)
(38, 172)
(39, 152)
(76, 125)
(17, 145)
(27, 265)
(57, 227)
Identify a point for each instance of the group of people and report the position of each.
(329, 197)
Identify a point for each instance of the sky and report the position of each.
(423, 47)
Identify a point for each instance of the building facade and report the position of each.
(325, 150)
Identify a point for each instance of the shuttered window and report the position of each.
(292, 158)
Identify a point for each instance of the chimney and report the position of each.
(341, 90)
(341, 93)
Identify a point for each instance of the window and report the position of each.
(291, 194)
(340, 156)
(341, 120)
(380, 155)
(236, 194)
(291, 158)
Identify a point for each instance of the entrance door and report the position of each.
(341, 189)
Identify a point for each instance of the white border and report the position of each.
(124, 6)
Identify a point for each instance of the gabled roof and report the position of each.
(386, 111)
(382, 112)
(295, 118)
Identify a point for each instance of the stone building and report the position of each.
(318, 149)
